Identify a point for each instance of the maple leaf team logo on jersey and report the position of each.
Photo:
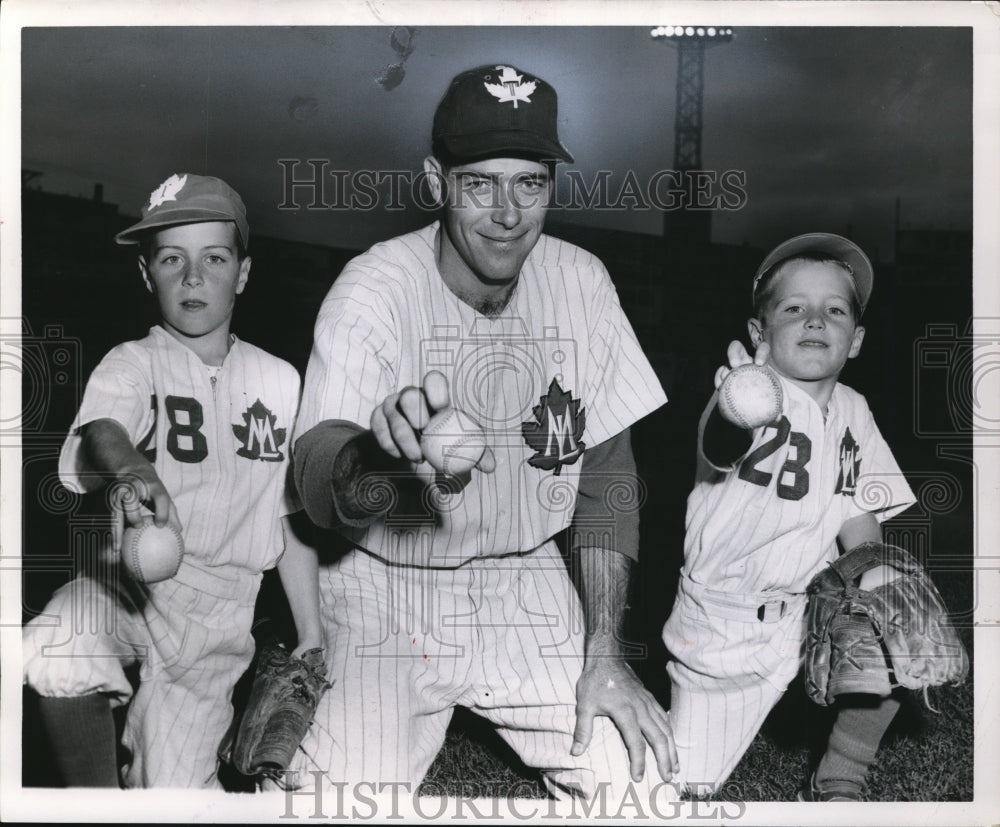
(850, 465)
(259, 438)
(167, 191)
(556, 433)
(510, 89)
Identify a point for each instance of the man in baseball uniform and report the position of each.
(449, 589)
(192, 426)
(767, 512)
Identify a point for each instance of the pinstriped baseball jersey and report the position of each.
(756, 534)
(220, 444)
(219, 441)
(771, 522)
(560, 369)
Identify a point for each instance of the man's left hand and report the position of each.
(609, 687)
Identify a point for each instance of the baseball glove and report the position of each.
(279, 710)
(897, 634)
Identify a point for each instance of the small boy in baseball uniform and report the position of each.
(191, 426)
(767, 512)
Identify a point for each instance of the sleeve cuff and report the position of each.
(608, 499)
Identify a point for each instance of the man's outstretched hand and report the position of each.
(398, 421)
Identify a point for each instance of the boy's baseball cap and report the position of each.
(189, 199)
(833, 245)
(495, 110)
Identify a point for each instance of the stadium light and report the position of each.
(718, 34)
(691, 43)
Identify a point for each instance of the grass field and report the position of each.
(925, 756)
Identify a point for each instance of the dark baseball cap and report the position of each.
(189, 199)
(833, 245)
(497, 111)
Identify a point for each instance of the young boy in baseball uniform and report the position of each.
(192, 426)
(768, 510)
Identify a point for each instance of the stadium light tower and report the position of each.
(691, 42)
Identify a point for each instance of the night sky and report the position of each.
(830, 125)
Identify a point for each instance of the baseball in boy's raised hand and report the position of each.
(750, 394)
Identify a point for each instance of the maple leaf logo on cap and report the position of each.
(556, 433)
(167, 191)
(510, 89)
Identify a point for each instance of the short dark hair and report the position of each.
(145, 242)
(765, 286)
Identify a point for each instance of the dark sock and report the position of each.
(855, 739)
(81, 730)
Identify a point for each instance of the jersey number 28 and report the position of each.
(193, 447)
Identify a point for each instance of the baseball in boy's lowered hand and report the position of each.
(152, 553)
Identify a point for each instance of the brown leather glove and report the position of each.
(282, 702)
(896, 634)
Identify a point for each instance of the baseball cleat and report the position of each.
(813, 793)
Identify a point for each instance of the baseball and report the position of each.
(750, 396)
(151, 553)
(452, 442)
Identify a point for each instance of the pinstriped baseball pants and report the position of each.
(191, 636)
(500, 636)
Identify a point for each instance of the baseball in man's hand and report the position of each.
(151, 553)
(453, 443)
(750, 396)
